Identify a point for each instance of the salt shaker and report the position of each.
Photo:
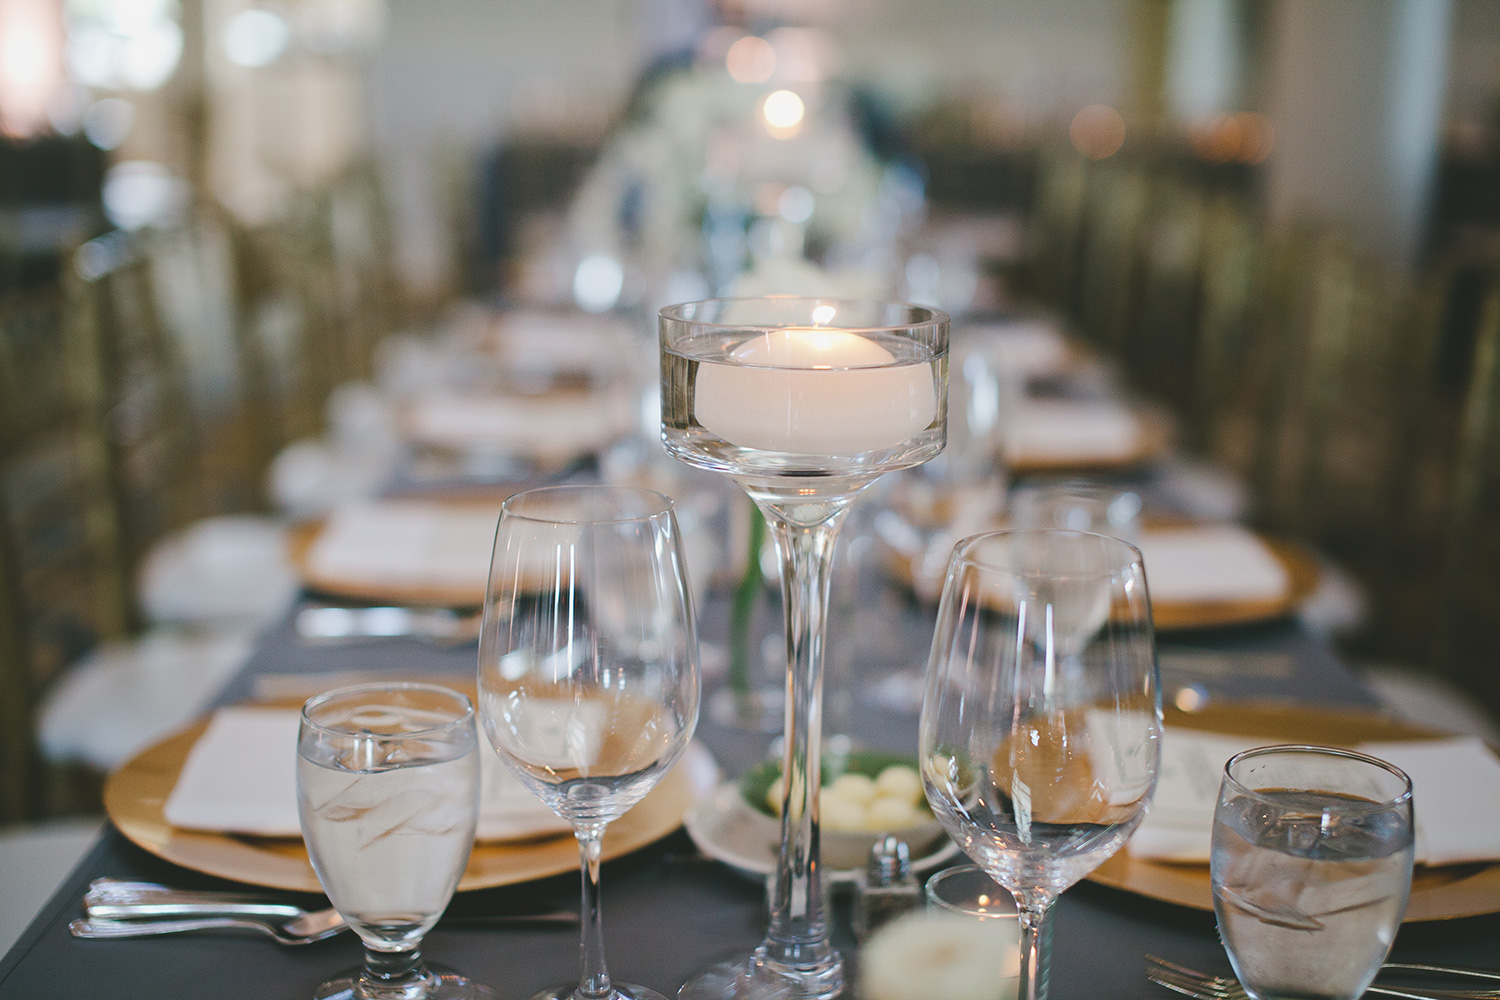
(888, 888)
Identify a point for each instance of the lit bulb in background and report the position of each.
(1097, 131)
(750, 60)
(255, 37)
(598, 282)
(783, 113)
(123, 44)
(31, 64)
(139, 193)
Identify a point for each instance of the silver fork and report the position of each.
(304, 929)
(117, 899)
(1202, 986)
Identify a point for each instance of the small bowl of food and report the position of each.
(865, 794)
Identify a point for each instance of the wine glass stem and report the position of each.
(394, 974)
(797, 939)
(594, 983)
(1033, 920)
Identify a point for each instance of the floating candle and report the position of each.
(815, 391)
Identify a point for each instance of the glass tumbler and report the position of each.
(1311, 867)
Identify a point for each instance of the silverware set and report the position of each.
(324, 623)
(122, 909)
(1202, 986)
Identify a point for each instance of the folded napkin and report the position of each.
(548, 426)
(1052, 430)
(1455, 787)
(406, 543)
(1021, 349)
(1219, 562)
(241, 777)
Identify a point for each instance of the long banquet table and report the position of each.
(669, 911)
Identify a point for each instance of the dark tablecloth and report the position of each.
(668, 912)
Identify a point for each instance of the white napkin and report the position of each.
(1455, 784)
(1053, 430)
(241, 777)
(406, 543)
(1220, 562)
(1456, 794)
(550, 426)
(1022, 349)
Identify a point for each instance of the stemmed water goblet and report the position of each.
(1311, 868)
(388, 796)
(1041, 718)
(804, 403)
(588, 672)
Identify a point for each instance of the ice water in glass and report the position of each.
(388, 797)
(1311, 866)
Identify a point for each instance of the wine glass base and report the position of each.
(760, 711)
(748, 979)
(444, 984)
(623, 991)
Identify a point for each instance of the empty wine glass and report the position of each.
(588, 674)
(1041, 718)
(388, 796)
(1311, 867)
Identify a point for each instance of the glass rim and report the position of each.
(319, 700)
(1315, 750)
(963, 551)
(665, 505)
(933, 315)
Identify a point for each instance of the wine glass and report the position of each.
(804, 403)
(1311, 867)
(388, 797)
(1041, 718)
(588, 672)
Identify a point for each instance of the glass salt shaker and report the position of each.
(887, 889)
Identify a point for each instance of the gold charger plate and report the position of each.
(1302, 579)
(1172, 616)
(135, 795)
(1437, 893)
(304, 536)
(1153, 443)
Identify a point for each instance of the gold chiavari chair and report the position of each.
(1163, 329)
(282, 307)
(64, 560)
(1467, 611)
(148, 415)
(1056, 227)
(1115, 214)
(1231, 274)
(193, 270)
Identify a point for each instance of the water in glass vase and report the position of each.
(1309, 900)
(802, 402)
(389, 840)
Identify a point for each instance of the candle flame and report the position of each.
(823, 315)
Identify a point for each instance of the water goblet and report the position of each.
(388, 797)
(1041, 718)
(588, 672)
(1311, 868)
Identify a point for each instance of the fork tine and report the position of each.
(1196, 987)
(1185, 991)
(1197, 981)
(1202, 986)
(1160, 962)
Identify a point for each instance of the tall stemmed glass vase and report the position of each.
(802, 402)
(1041, 719)
(588, 669)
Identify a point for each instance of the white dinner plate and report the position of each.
(718, 826)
